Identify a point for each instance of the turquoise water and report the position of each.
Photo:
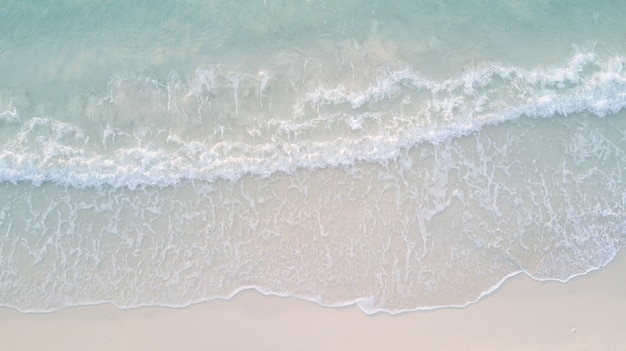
(399, 156)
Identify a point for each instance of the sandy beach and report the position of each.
(587, 313)
(405, 155)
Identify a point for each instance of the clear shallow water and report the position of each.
(397, 156)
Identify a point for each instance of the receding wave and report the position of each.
(396, 194)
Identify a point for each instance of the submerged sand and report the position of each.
(587, 313)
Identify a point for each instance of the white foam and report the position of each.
(440, 110)
(337, 128)
(9, 113)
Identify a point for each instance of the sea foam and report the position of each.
(374, 124)
(398, 194)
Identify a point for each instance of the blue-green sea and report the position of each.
(396, 155)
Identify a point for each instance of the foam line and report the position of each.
(456, 107)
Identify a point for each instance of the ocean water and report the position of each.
(401, 156)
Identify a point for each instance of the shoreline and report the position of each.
(587, 312)
(346, 304)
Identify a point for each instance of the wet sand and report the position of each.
(587, 313)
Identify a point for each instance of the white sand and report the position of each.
(588, 313)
